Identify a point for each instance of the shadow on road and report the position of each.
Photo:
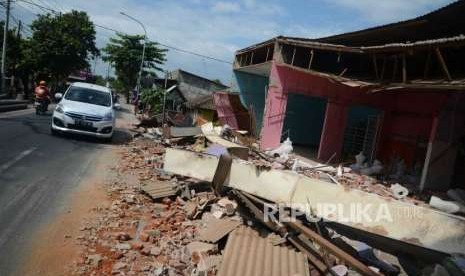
(120, 137)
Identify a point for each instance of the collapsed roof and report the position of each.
(424, 52)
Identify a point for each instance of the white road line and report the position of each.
(16, 113)
(20, 156)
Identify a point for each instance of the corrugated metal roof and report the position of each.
(248, 254)
(159, 189)
(217, 229)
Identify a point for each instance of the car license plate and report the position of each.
(82, 123)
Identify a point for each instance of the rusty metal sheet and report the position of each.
(159, 189)
(248, 254)
(411, 224)
(217, 229)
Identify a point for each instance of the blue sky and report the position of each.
(218, 28)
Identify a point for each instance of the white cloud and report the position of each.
(392, 10)
(226, 7)
(236, 24)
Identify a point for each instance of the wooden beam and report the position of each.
(343, 72)
(333, 249)
(427, 65)
(404, 68)
(394, 69)
(293, 56)
(375, 64)
(443, 64)
(267, 53)
(383, 68)
(251, 58)
(311, 59)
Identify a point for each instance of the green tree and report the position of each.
(125, 52)
(62, 44)
(100, 80)
(152, 98)
(218, 81)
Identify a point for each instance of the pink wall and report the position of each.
(408, 114)
(275, 110)
(225, 110)
(332, 138)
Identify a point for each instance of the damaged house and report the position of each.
(394, 92)
(192, 96)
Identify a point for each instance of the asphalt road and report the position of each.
(38, 172)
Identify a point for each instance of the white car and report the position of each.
(85, 109)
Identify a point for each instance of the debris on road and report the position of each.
(191, 208)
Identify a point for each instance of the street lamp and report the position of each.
(143, 50)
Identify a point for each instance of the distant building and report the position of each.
(192, 96)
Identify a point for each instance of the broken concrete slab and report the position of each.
(217, 229)
(182, 131)
(233, 148)
(400, 221)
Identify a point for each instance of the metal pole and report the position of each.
(164, 98)
(5, 35)
(108, 74)
(139, 77)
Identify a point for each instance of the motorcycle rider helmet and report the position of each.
(42, 83)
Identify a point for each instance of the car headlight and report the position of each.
(108, 116)
(59, 109)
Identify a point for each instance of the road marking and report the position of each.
(20, 156)
(16, 113)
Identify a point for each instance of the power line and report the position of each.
(116, 31)
(172, 47)
(39, 6)
(194, 53)
(27, 8)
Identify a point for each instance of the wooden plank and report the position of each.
(383, 68)
(375, 65)
(404, 68)
(427, 65)
(336, 251)
(311, 59)
(394, 69)
(293, 56)
(443, 64)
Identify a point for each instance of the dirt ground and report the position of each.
(56, 246)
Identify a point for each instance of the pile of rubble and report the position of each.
(165, 223)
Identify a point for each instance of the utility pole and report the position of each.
(108, 74)
(139, 77)
(20, 26)
(164, 98)
(5, 35)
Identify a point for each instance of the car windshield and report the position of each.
(86, 95)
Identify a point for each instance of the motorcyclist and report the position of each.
(42, 94)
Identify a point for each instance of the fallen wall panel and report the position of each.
(397, 220)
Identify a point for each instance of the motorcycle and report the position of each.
(41, 106)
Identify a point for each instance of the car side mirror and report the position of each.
(58, 96)
(116, 106)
